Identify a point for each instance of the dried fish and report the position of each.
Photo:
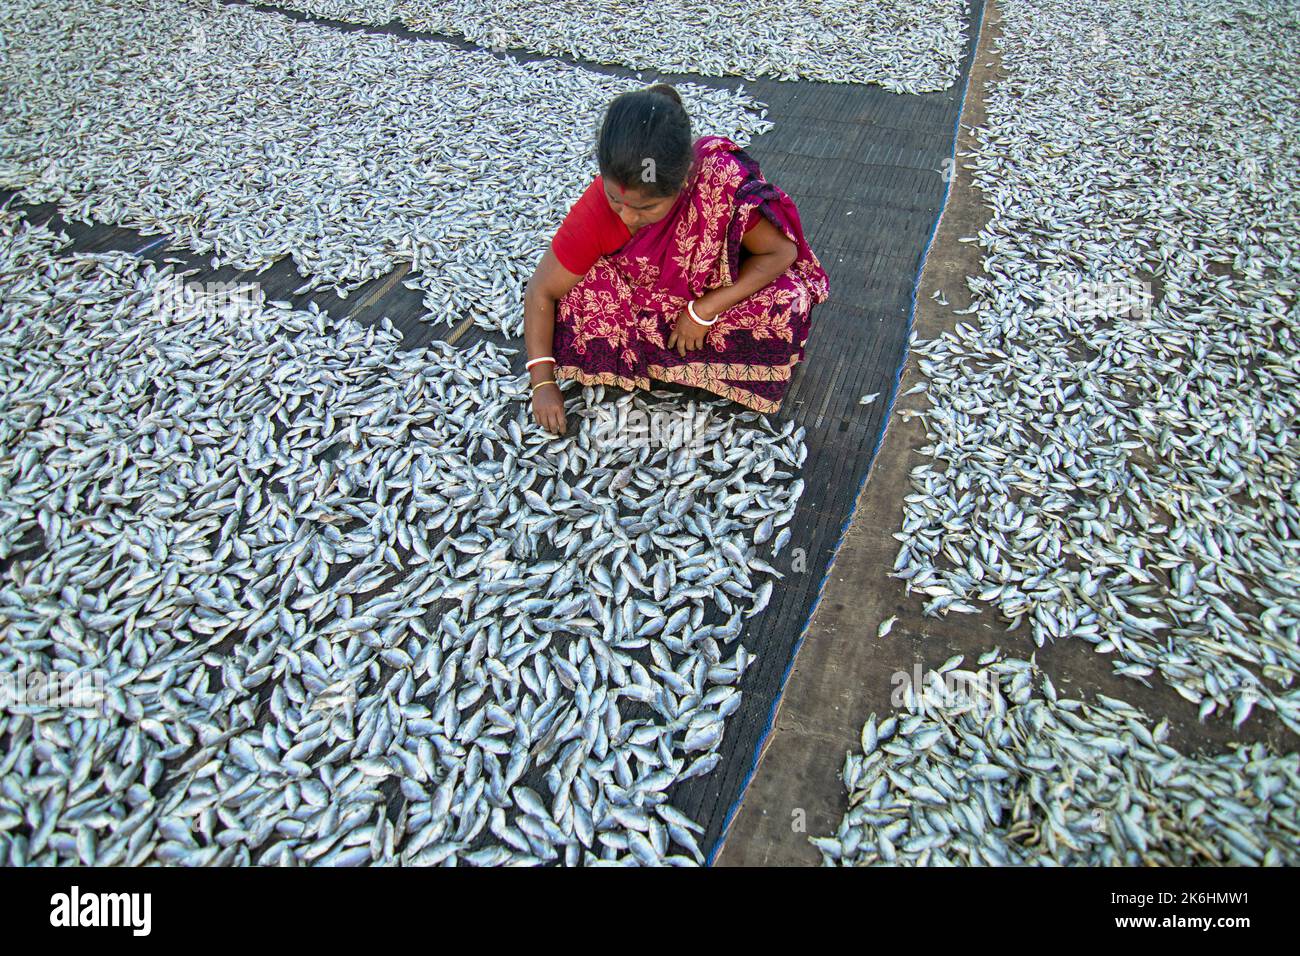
(253, 137)
(346, 602)
(985, 772)
(907, 46)
(1116, 421)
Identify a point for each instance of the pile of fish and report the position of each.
(345, 603)
(907, 46)
(1114, 434)
(990, 767)
(254, 137)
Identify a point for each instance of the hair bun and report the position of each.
(641, 125)
(663, 89)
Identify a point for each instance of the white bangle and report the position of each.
(528, 366)
(690, 307)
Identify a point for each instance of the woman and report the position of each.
(679, 263)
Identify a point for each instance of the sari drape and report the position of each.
(613, 326)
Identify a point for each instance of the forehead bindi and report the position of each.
(629, 198)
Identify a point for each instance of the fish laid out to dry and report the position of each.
(252, 136)
(328, 601)
(1118, 429)
(1117, 420)
(907, 46)
(989, 767)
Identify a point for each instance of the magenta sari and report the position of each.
(612, 328)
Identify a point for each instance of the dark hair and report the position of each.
(649, 124)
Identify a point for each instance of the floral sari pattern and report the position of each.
(612, 327)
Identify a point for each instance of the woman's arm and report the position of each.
(772, 254)
(548, 285)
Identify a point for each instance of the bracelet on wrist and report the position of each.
(690, 308)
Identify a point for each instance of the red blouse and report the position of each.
(593, 229)
(590, 230)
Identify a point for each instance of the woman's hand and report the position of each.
(688, 335)
(548, 408)
(550, 283)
